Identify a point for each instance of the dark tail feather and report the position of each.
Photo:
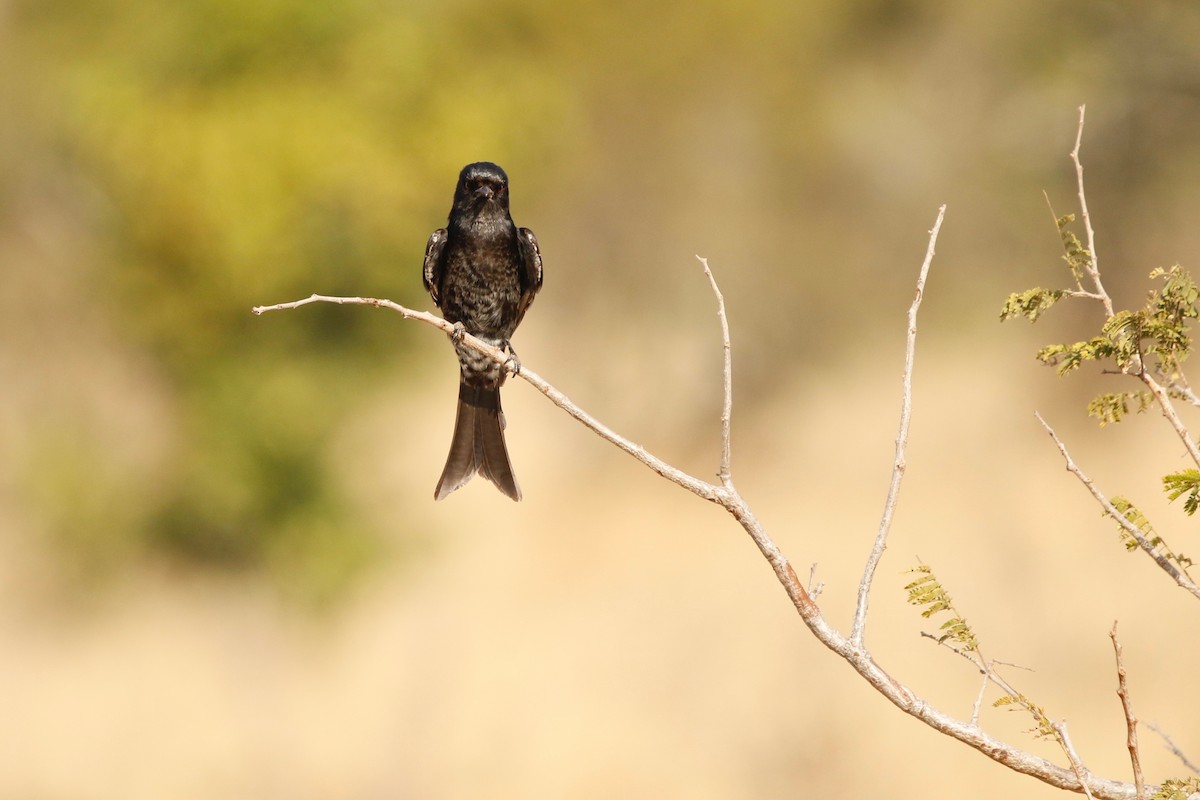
(478, 444)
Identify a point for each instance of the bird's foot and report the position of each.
(458, 333)
(512, 364)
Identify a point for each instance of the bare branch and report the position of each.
(1182, 756)
(407, 313)
(1178, 575)
(1082, 295)
(889, 506)
(723, 473)
(815, 587)
(1130, 720)
(979, 697)
(1168, 410)
(1093, 268)
(1179, 384)
(1077, 766)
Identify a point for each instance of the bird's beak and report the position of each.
(484, 192)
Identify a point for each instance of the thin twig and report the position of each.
(1168, 410)
(1182, 756)
(1093, 267)
(1164, 563)
(986, 667)
(1180, 385)
(979, 697)
(889, 506)
(727, 375)
(407, 313)
(1076, 763)
(815, 587)
(1130, 720)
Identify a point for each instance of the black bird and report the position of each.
(482, 271)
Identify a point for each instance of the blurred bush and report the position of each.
(164, 166)
(230, 154)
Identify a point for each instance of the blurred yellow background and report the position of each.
(222, 574)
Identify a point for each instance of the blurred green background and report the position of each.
(208, 493)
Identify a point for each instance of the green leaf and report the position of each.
(1044, 728)
(1182, 483)
(1110, 408)
(1068, 357)
(928, 592)
(1177, 789)
(1078, 257)
(1139, 521)
(1030, 304)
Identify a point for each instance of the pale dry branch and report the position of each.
(1168, 411)
(1093, 268)
(1131, 740)
(815, 587)
(1174, 748)
(849, 648)
(983, 685)
(1185, 391)
(723, 472)
(1164, 563)
(898, 465)
(1081, 772)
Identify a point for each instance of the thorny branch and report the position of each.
(1093, 267)
(850, 648)
(1131, 740)
(723, 472)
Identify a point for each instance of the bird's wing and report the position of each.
(431, 273)
(531, 262)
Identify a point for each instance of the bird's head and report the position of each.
(482, 190)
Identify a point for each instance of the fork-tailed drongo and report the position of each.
(482, 271)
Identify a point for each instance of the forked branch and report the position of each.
(851, 648)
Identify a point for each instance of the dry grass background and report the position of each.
(611, 636)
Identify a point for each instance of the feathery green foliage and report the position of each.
(1187, 483)
(1078, 257)
(1157, 333)
(1030, 304)
(1111, 407)
(1177, 789)
(1044, 728)
(1134, 515)
(927, 591)
(1068, 357)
